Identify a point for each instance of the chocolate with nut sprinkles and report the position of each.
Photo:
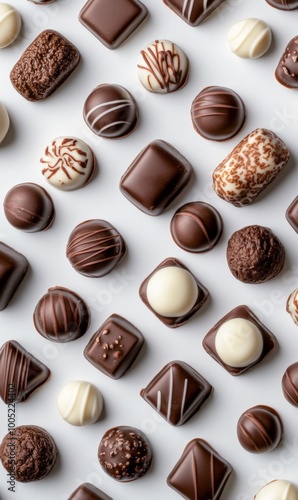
(88, 491)
(286, 72)
(13, 267)
(114, 346)
(201, 473)
(125, 453)
(44, 66)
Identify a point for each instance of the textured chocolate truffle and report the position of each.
(283, 4)
(290, 384)
(29, 207)
(196, 227)
(217, 113)
(110, 111)
(35, 453)
(94, 248)
(255, 254)
(61, 315)
(125, 453)
(259, 429)
(286, 72)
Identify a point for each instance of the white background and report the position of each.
(167, 117)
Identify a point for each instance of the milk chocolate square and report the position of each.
(112, 22)
(114, 347)
(44, 66)
(201, 473)
(88, 491)
(193, 12)
(177, 392)
(235, 341)
(292, 214)
(13, 267)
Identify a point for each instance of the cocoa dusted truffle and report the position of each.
(255, 254)
(125, 453)
(259, 429)
(35, 453)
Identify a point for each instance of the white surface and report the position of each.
(167, 117)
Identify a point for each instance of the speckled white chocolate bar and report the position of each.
(250, 167)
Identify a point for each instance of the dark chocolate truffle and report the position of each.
(94, 248)
(255, 254)
(259, 429)
(283, 4)
(110, 111)
(286, 71)
(196, 227)
(35, 453)
(125, 453)
(88, 491)
(290, 384)
(29, 207)
(217, 113)
(61, 315)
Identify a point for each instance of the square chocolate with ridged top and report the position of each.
(46, 63)
(112, 21)
(156, 176)
(114, 346)
(177, 392)
(13, 267)
(88, 491)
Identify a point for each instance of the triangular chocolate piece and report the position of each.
(20, 373)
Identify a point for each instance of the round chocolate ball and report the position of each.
(125, 453)
(290, 384)
(34, 449)
(61, 315)
(283, 4)
(29, 207)
(217, 113)
(278, 489)
(255, 254)
(94, 248)
(259, 429)
(196, 227)
(110, 111)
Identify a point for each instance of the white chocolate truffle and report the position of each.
(68, 163)
(279, 489)
(250, 38)
(162, 67)
(4, 122)
(172, 291)
(10, 24)
(80, 403)
(292, 306)
(238, 342)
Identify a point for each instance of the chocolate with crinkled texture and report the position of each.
(193, 12)
(286, 72)
(283, 4)
(88, 491)
(46, 63)
(255, 254)
(61, 315)
(125, 453)
(21, 374)
(95, 248)
(260, 429)
(200, 473)
(177, 392)
(250, 167)
(112, 22)
(290, 384)
(13, 268)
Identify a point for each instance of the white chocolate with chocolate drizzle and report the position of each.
(292, 306)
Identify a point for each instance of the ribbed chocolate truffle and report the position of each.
(255, 254)
(290, 384)
(259, 429)
(94, 248)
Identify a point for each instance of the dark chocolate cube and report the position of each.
(13, 267)
(88, 491)
(21, 373)
(112, 21)
(292, 214)
(193, 12)
(177, 392)
(201, 473)
(243, 312)
(156, 176)
(114, 347)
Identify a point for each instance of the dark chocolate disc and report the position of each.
(290, 384)
(125, 453)
(217, 113)
(259, 429)
(61, 315)
(94, 248)
(110, 111)
(196, 227)
(283, 4)
(29, 207)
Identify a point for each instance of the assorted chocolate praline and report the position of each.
(260, 429)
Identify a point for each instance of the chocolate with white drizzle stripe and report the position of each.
(193, 12)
